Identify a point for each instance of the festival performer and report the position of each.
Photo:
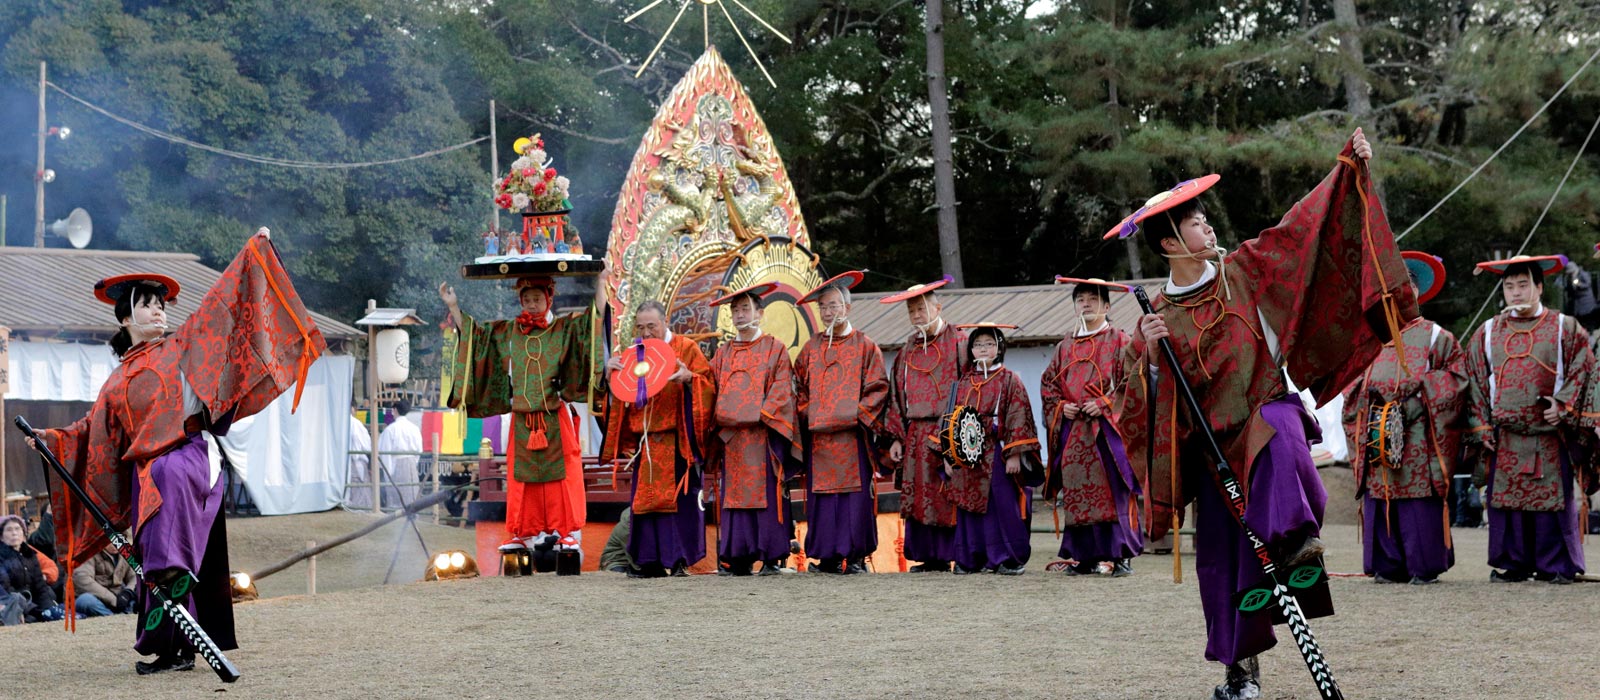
(924, 370)
(1089, 470)
(754, 424)
(664, 441)
(842, 392)
(551, 366)
(994, 496)
(142, 452)
(1404, 428)
(1317, 295)
(1529, 367)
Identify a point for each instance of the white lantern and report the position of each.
(393, 356)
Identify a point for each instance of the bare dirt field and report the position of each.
(1040, 635)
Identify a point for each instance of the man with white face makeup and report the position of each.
(1529, 367)
(843, 396)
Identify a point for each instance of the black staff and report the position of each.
(1288, 605)
(180, 616)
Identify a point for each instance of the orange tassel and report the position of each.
(536, 439)
(900, 547)
(70, 624)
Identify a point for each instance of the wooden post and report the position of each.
(435, 478)
(311, 570)
(372, 408)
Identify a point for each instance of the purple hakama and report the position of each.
(186, 533)
(1000, 535)
(1121, 539)
(1530, 541)
(1286, 502)
(844, 525)
(749, 535)
(1409, 542)
(670, 539)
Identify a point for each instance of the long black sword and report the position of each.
(1287, 603)
(180, 616)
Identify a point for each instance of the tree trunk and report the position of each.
(944, 184)
(1357, 93)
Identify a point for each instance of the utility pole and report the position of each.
(494, 167)
(38, 172)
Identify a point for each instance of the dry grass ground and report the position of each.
(928, 635)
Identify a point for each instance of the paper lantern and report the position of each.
(393, 355)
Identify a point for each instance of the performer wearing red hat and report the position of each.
(142, 452)
(1530, 366)
(550, 363)
(923, 373)
(1089, 469)
(754, 427)
(1315, 296)
(842, 392)
(664, 441)
(994, 494)
(1404, 427)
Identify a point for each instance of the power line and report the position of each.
(265, 160)
(1540, 220)
(1502, 147)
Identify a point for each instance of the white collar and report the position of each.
(1538, 310)
(668, 337)
(848, 329)
(752, 340)
(1173, 289)
(1082, 333)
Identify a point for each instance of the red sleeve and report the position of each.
(1330, 281)
(251, 338)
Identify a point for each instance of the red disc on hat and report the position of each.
(1549, 264)
(1180, 193)
(1113, 286)
(647, 365)
(914, 292)
(848, 280)
(758, 290)
(110, 289)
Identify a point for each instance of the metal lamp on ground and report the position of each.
(451, 564)
(242, 586)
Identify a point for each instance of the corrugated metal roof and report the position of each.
(48, 290)
(1043, 313)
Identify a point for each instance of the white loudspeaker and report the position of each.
(76, 228)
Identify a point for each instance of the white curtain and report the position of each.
(58, 371)
(295, 463)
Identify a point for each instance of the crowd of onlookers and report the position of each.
(32, 585)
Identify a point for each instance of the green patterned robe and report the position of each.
(496, 368)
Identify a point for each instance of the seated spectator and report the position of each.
(20, 572)
(105, 585)
(614, 557)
